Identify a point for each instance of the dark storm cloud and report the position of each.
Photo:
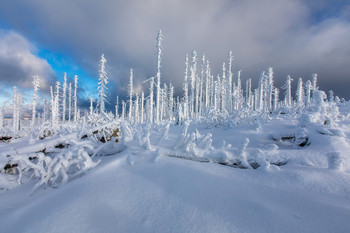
(18, 64)
(295, 37)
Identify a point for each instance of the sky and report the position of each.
(48, 38)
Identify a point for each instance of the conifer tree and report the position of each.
(151, 100)
(45, 110)
(248, 93)
(314, 81)
(117, 108)
(131, 92)
(276, 98)
(53, 108)
(64, 97)
(288, 92)
(142, 106)
(185, 88)
(207, 85)
(223, 87)
(69, 101)
(261, 91)
(36, 85)
(193, 82)
(300, 92)
(57, 100)
(159, 56)
(308, 88)
(75, 98)
(201, 82)
(163, 105)
(91, 105)
(136, 114)
(230, 79)
(171, 101)
(239, 90)
(123, 109)
(270, 88)
(102, 84)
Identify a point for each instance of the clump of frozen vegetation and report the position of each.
(62, 140)
(54, 170)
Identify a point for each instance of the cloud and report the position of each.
(18, 62)
(295, 37)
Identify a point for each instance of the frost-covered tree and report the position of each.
(171, 101)
(223, 87)
(217, 94)
(75, 98)
(64, 97)
(102, 84)
(230, 78)
(276, 98)
(207, 85)
(150, 106)
(15, 117)
(185, 88)
(136, 112)
(57, 100)
(69, 101)
(331, 96)
(201, 83)
(300, 92)
(212, 90)
(91, 105)
(45, 113)
(239, 90)
(314, 81)
(36, 85)
(193, 82)
(164, 102)
(248, 93)
(270, 88)
(117, 108)
(256, 99)
(142, 106)
(123, 110)
(131, 93)
(159, 57)
(288, 92)
(308, 88)
(53, 108)
(261, 91)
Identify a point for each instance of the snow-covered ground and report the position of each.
(190, 178)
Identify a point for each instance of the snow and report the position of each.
(280, 173)
(142, 189)
(174, 195)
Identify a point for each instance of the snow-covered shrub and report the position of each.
(319, 110)
(165, 133)
(216, 118)
(265, 156)
(53, 171)
(45, 131)
(183, 136)
(301, 138)
(143, 136)
(242, 154)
